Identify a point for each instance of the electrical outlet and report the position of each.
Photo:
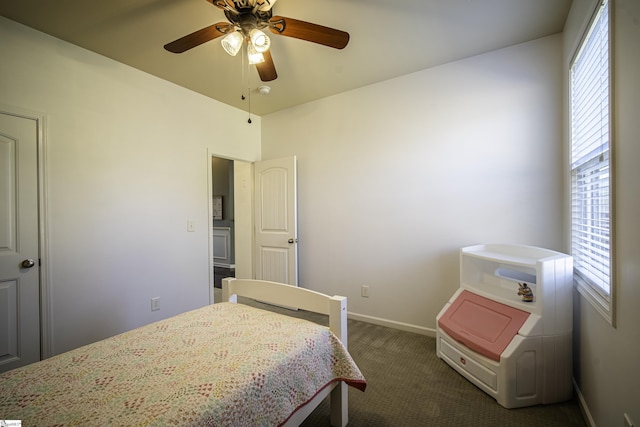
(364, 291)
(191, 226)
(155, 303)
(627, 421)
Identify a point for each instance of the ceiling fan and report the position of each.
(247, 19)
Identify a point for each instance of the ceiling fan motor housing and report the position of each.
(247, 19)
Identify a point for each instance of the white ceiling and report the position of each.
(389, 38)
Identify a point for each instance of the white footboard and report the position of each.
(335, 307)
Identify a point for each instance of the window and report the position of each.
(591, 165)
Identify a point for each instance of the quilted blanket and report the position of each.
(222, 365)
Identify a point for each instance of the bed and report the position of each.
(223, 364)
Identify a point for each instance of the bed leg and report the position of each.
(339, 405)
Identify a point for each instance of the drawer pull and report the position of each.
(463, 360)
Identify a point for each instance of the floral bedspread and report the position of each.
(222, 365)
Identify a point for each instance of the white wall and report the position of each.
(607, 371)
(126, 168)
(395, 177)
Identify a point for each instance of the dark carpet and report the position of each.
(408, 385)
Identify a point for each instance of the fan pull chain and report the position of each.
(249, 119)
(248, 70)
(242, 82)
(245, 80)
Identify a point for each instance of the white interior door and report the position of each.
(19, 259)
(276, 222)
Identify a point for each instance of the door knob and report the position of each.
(28, 263)
(292, 241)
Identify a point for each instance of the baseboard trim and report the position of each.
(583, 405)
(392, 324)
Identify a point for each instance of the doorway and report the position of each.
(223, 217)
(232, 186)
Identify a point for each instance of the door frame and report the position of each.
(43, 247)
(244, 263)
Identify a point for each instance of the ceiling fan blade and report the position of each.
(199, 37)
(267, 69)
(307, 31)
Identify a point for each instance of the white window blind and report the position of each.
(590, 160)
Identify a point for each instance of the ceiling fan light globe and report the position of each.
(232, 43)
(259, 40)
(255, 57)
